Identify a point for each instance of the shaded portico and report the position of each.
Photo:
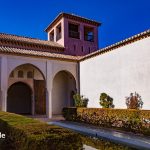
(26, 92)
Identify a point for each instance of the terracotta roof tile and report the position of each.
(71, 16)
(30, 52)
(29, 40)
(10, 50)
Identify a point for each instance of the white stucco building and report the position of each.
(40, 77)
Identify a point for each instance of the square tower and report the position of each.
(78, 35)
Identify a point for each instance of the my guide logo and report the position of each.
(2, 135)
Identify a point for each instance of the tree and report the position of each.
(80, 100)
(106, 101)
(134, 101)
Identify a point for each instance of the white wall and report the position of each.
(61, 40)
(49, 68)
(118, 73)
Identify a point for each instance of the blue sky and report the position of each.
(120, 18)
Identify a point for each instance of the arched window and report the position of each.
(12, 74)
(29, 74)
(20, 74)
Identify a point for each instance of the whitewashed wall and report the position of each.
(118, 73)
(49, 68)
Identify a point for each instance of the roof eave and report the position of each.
(129, 40)
(65, 15)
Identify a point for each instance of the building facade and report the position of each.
(40, 77)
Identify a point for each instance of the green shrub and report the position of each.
(70, 113)
(137, 121)
(80, 100)
(134, 101)
(24, 133)
(106, 101)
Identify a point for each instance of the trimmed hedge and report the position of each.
(137, 121)
(24, 133)
(101, 144)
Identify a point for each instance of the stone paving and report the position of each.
(136, 141)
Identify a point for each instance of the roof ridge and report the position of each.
(63, 14)
(75, 15)
(119, 44)
(38, 53)
(26, 37)
(127, 39)
(29, 40)
(2, 33)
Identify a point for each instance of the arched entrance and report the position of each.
(64, 85)
(34, 78)
(19, 98)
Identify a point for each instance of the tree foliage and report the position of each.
(134, 101)
(106, 101)
(80, 100)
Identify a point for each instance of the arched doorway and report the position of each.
(19, 98)
(32, 76)
(64, 85)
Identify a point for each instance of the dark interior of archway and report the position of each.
(19, 99)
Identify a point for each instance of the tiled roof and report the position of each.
(74, 17)
(132, 39)
(28, 40)
(24, 52)
(30, 52)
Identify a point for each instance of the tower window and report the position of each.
(52, 36)
(20, 74)
(74, 31)
(89, 34)
(58, 32)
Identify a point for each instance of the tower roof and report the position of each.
(73, 17)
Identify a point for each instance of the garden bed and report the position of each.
(137, 121)
(24, 133)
